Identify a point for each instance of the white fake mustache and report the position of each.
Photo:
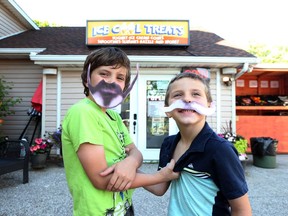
(180, 104)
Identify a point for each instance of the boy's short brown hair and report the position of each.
(106, 56)
(192, 76)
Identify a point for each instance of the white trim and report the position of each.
(189, 59)
(218, 101)
(43, 120)
(147, 61)
(271, 66)
(31, 51)
(58, 99)
(133, 109)
(23, 14)
(159, 59)
(11, 35)
(43, 60)
(57, 58)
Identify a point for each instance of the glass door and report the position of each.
(152, 125)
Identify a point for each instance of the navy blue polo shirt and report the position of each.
(211, 174)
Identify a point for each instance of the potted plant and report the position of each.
(54, 138)
(239, 142)
(39, 151)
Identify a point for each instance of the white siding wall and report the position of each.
(226, 105)
(71, 92)
(9, 24)
(25, 77)
(51, 103)
(212, 120)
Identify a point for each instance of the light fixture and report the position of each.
(52, 71)
(227, 81)
(229, 71)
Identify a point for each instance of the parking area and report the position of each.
(47, 194)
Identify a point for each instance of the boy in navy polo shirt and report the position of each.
(212, 180)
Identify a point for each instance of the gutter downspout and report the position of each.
(244, 69)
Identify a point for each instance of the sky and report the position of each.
(242, 22)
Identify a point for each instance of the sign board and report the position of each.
(138, 32)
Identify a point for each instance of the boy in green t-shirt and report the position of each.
(94, 140)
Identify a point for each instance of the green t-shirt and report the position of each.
(86, 122)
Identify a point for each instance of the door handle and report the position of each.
(134, 122)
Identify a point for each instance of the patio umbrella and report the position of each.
(37, 98)
(34, 112)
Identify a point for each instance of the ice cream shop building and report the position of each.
(54, 56)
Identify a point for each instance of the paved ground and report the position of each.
(46, 194)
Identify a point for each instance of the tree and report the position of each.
(267, 54)
(44, 23)
(6, 102)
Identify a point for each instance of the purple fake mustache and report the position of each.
(180, 104)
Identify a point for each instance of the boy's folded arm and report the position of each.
(165, 175)
(124, 172)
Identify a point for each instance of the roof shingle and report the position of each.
(72, 41)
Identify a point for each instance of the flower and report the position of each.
(239, 142)
(40, 146)
(54, 138)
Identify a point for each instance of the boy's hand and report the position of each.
(122, 176)
(168, 173)
(108, 171)
(111, 169)
(123, 172)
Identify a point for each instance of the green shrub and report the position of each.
(7, 102)
(241, 145)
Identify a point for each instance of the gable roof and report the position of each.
(71, 41)
(64, 42)
(66, 46)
